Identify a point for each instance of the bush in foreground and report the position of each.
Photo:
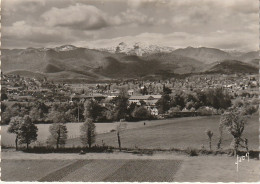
(192, 152)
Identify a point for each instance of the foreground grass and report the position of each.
(218, 169)
(111, 167)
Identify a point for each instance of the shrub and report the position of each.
(250, 109)
(192, 152)
(141, 113)
(209, 134)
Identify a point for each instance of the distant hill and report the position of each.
(70, 63)
(203, 54)
(231, 67)
(250, 56)
(254, 62)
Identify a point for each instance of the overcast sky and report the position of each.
(224, 24)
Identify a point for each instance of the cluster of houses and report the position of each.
(23, 89)
(148, 101)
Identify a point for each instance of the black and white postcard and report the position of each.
(130, 90)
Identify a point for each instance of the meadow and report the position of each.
(161, 134)
(73, 130)
(177, 133)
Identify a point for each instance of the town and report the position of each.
(185, 95)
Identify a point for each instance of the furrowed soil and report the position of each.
(117, 167)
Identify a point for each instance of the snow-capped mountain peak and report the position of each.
(65, 48)
(138, 48)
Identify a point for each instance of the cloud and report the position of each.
(134, 17)
(214, 23)
(78, 16)
(207, 15)
(218, 39)
(142, 3)
(88, 17)
(29, 6)
(40, 34)
(242, 6)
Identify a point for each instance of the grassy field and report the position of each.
(164, 134)
(90, 170)
(73, 130)
(117, 167)
(43, 131)
(29, 170)
(177, 133)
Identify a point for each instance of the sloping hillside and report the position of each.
(250, 56)
(231, 67)
(203, 54)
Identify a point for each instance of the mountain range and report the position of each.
(76, 64)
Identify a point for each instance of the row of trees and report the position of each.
(233, 120)
(58, 134)
(216, 98)
(116, 109)
(26, 131)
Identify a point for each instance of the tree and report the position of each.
(36, 114)
(220, 136)
(144, 91)
(166, 90)
(141, 113)
(131, 108)
(28, 131)
(11, 111)
(120, 110)
(120, 127)
(92, 110)
(178, 100)
(56, 116)
(218, 98)
(107, 115)
(4, 96)
(76, 112)
(163, 103)
(209, 134)
(58, 129)
(234, 123)
(3, 107)
(88, 133)
(58, 134)
(14, 128)
(41, 106)
(202, 98)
